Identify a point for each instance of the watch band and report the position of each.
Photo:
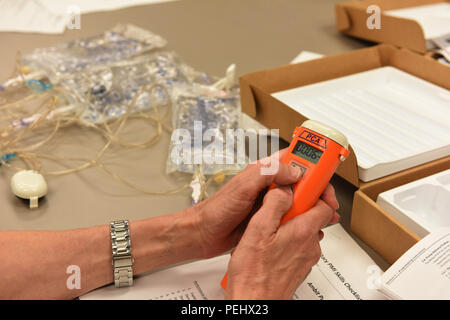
(122, 260)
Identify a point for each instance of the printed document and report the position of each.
(423, 272)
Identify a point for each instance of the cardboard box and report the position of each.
(373, 225)
(257, 87)
(351, 19)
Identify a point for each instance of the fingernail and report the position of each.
(295, 171)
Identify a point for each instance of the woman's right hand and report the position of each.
(271, 261)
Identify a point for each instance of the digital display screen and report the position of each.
(307, 152)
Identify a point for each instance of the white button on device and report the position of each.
(29, 184)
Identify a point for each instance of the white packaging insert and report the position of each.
(392, 119)
(434, 19)
(423, 205)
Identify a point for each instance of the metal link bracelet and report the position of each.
(122, 260)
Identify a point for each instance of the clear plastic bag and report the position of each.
(205, 117)
(115, 86)
(121, 42)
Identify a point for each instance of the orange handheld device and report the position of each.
(317, 150)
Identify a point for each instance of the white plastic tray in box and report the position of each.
(392, 119)
(434, 19)
(423, 205)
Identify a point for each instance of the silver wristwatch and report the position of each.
(122, 260)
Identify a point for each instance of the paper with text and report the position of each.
(423, 272)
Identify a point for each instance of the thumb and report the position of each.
(255, 178)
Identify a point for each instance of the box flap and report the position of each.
(342, 19)
(351, 18)
(415, 64)
(246, 92)
(379, 229)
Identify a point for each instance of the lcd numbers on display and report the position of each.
(307, 152)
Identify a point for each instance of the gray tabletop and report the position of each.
(209, 35)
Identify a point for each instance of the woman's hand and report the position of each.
(271, 261)
(223, 217)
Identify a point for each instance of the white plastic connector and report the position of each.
(17, 80)
(29, 184)
(229, 81)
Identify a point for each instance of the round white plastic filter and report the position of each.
(29, 184)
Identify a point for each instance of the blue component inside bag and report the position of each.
(108, 91)
(202, 118)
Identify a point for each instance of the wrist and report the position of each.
(196, 215)
(211, 241)
(165, 240)
(242, 289)
(194, 226)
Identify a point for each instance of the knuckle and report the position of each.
(249, 172)
(246, 182)
(327, 210)
(258, 165)
(256, 223)
(316, 252)
(281, 197)
(250, 167)
(303, 234)
(306, 232)
(280, 194)
(325, 205)
(331, 189)
(254, 172)
(330, 213)
(258, 228)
